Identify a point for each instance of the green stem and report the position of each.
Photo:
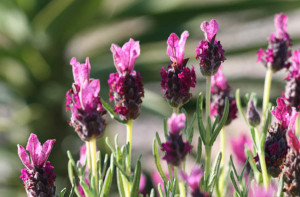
(182, 189)
(129, 141)
(176, 110)
(267, 88)
(262, 161)
(297, 125)
(93, 150)
(207, 147)
(88, 155)
(222, 176)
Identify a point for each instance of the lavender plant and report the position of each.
(269, 161)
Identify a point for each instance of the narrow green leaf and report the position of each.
(104, 166)
(253, 136)
(239, 105)
(265, 129)
(243, 170)
(160, 190)
(71, 173)
(165, 128)
(201, 127)
(71, 192)
(174, 188)
(233, 167)
(71, 158)
(222, 122)
(107, 181)
(216, 122)
(248, 184)
(214, 172)
(120, 184)
(136, 179)
(62, 192)
(122, 170)
(157, 162)
(158, 139)
(235, 184)
(111, 112)
(280, 186)
(111, 147)
(152, 193)
(85, 188)
(199, 152)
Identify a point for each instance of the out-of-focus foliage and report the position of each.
(39, 37)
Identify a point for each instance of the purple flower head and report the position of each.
(176, 123)
(38, 153)
(219, 82)
(295, 72)
(220, 90)
(175, 148)
(284, 114)
(124, 58)
(175, 48)
(210, 52)
(260, 191)
(238, 147)
(125, 86)
(38, 176)
(210, 29)
(84, 102)
(279, 49)
(177, 79)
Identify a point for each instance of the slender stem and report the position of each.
(207, 101)
(176, 110)
(88, 155)
(176, 178)
(207, 147)
(182, 189)
(222, 176)
(262, 161)
(267, 88)
(93, 150)
(129, 141)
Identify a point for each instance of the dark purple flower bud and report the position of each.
(220, 91)
(193, 181)
(126, 87)
(210, 52)
(175, 148)
(84, 102)
(279, 49)
(38, 176)
(253, 115)
(178, 79)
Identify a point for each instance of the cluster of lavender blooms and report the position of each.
(272, 151)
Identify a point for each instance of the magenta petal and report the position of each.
(24, 157)
(34, 147)
(89, 91)
(219, 81)
(81, 72)
(210, 29)
(44, 154)
(280, 22)
(292, 141)
(75, 68)
(124, 58)
(172, 42)
(176, 123)
(194, 179)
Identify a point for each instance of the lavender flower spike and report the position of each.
(193, 181)
(220, 90)
(84, 102)
(279, 50)
(177, 79)
(210, 52)
(175, 148)
(38, 176)
(126, 87)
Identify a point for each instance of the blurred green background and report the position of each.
(39, 37)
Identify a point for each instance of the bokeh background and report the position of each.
(39, 37)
